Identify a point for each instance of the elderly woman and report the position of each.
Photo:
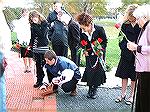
(142, 48)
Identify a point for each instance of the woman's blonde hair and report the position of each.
(129, 11)
(35, 13)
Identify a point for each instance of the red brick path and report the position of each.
(21, 96)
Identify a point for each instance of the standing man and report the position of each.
(74, 40)
(59, 31)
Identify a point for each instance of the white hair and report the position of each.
(142, 11)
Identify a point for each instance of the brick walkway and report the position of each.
(21, 96)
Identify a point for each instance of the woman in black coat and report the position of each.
(92, 35)
(38, 42)
(126, 68)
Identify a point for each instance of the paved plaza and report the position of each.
(22, 97)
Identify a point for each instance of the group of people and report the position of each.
(63, 31)
(53, 66)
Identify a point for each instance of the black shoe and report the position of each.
(37, 85)
(88, 95)
(89, 92)
(93, 96)
(94, 93)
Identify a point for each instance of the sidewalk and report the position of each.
(22, 97)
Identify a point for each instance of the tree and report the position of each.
(95, 7)
(128, 2)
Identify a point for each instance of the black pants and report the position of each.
(40, 62)
(66, 87)
(60, 50)
(74, 55)
(143, 93)
(70, 85)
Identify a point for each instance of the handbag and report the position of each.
(48, 90)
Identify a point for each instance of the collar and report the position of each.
(145, 25)
(89, 36)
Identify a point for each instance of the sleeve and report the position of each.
(32, 37)
(104, 37)
(123, 43)
(146, 49)
(51, 17)
(45, 79)
(76, 33)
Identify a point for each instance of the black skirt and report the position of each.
(26, 53)
(93, 75)
(126, 69)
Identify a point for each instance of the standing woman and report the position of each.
(24, 35)
(94, 73)
(142, 62)
(126, 68)
(38, 41)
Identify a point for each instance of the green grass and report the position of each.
(112, 53)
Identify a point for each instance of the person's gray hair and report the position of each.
(142, 11)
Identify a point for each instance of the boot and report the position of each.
(89, 92)
(37, 84)
(74, 92)
(94, 93)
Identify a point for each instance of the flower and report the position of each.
(97, 48)
(83, 43)
(99, 51)
(118, 25)
(121, 34)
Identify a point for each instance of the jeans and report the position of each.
(2, 89)
(2, 94)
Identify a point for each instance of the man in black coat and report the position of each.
(74, 40)
(58, 30)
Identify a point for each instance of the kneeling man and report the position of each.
(60, 71)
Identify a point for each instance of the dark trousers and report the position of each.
(40, 62)
(60, 50)
(74, 55)
(143, 93)
(70, 85)
(66, 87)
